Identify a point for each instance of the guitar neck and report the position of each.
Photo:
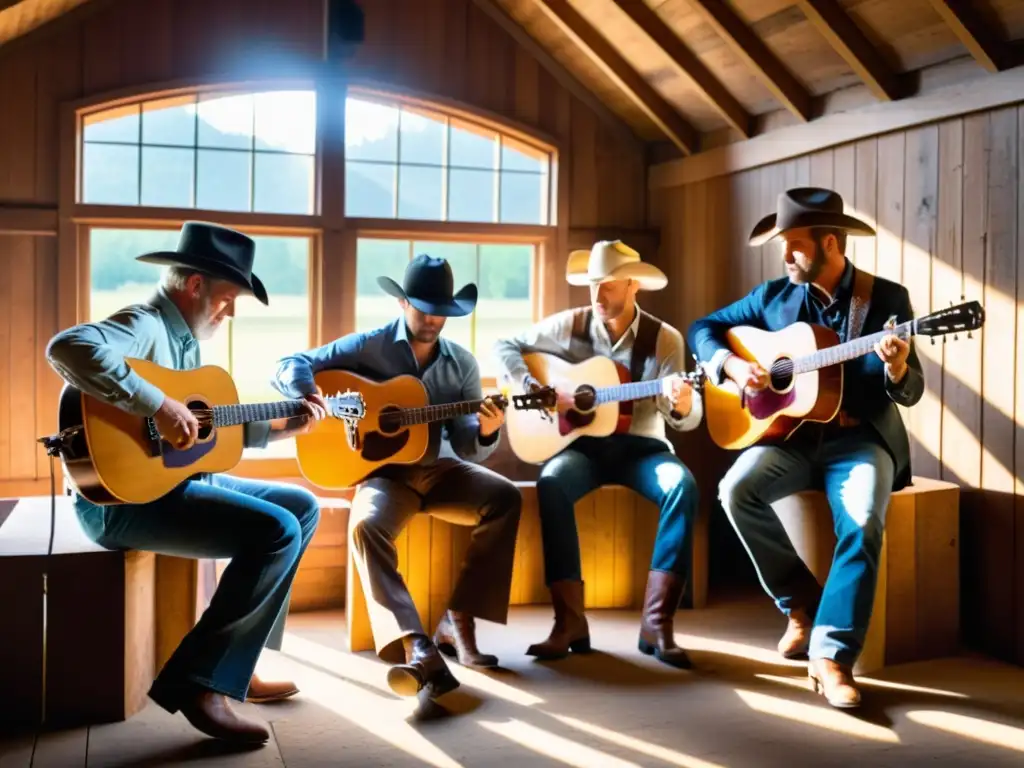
(432, 413)
(634, 390)
(246, 413)
(850, 350)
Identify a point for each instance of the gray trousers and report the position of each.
(457, 492)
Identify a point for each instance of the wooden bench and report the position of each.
(104, 636)
(616, 529)
(917, 602)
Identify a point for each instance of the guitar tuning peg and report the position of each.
(956, 336)
(933, 341)
(970, 335)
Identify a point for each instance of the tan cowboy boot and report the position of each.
(797, 637)
(835, 682)
(657, 638)
(456, 636)
(263, 692)
(211, 713)
(571, 632)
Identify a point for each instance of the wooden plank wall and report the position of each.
(946, 199)
(448, 48)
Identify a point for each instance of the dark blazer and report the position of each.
(868, 392)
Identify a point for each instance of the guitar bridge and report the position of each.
(352, 435)
(151, 435)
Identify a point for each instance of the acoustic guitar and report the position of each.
(335, 455)
(603, 396)
(113, 457)
(805, 374)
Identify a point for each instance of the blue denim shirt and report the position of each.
(452, 376)
(91, 357)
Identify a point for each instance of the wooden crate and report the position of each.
(917, 601)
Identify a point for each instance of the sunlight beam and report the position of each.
(820, 716)
(549, 745)
(644, 747)
(804, 684)
(985, 731)
(740, 650)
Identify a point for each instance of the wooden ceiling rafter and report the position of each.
(562, 75)
(615, 67)
(688, 64)
(981, 41)
(750, 49)
(847, 39)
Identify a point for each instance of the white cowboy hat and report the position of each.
(612, 260)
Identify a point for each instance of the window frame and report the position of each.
(333, 236)
(488, 383)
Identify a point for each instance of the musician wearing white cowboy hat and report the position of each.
(642, 459)
(859, 458)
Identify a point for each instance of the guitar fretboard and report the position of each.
(634, 390)
(851, 349)
(443, 412)
(232, 415)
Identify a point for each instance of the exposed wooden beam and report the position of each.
(562, 75)
(977, 95)
(688, 64)
(28, 220)
(612, 63)
(745, 44)
(853, 45)
(977, 37)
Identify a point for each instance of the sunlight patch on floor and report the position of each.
(819, 716)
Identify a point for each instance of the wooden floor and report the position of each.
(743, 707)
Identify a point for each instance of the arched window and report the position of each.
(413, 163)
(418, 177)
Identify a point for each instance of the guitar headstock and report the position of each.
(543, 399)
(349, 405)
(969, 316)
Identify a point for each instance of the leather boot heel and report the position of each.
(646, 647)
(580, 646)
(570, 632)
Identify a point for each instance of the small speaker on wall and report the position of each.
(344, 28)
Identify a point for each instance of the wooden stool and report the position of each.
(916, 613)
(105, 637)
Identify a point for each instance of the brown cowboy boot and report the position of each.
(423, 668)
(211, 713)
(263, 692)
(571, 632)
(794, 642)
(455, 636)
(664, 591)
(835, 682)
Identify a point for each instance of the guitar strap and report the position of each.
(860, 302)
(644, 345)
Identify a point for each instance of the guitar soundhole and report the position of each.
(390, 420)
(585, 398)
(205, 427)
(781, 374)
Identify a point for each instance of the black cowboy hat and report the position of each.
(216, 251)
(807, 207)
(428, 286)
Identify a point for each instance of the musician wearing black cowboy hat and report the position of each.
(450, 485)
(263, 528)
(859, 458)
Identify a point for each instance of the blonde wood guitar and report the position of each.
(336, 455)
(602, 396)
(804, 363)
(113, 457)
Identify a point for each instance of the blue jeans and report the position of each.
(856, 472)
(262, 527)
(640, 463)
